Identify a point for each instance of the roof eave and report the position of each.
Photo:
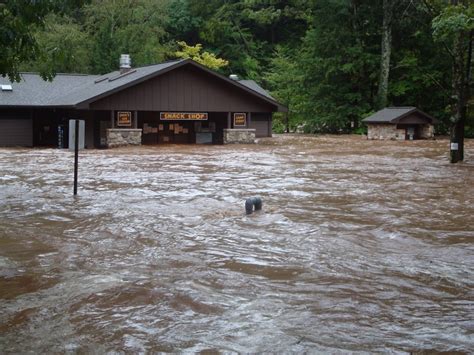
(241, 86)
(398, 119)
(41, 106)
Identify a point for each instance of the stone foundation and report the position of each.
(390, 131)
(121, 137)
(427, 131)
(239, 136)
(385, 131)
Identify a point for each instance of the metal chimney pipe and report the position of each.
(125, 63)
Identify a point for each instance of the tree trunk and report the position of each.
(382, 93)
(460, 86)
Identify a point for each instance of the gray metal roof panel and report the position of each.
(255, 87)
(70, 89)
(387, 115)
(32, 90)
(112, 81)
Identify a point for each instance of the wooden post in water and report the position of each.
(76, 155)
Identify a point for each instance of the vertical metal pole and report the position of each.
(76, 155)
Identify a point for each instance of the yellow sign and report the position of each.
(124, 119)
(240, 119)
(187, 116)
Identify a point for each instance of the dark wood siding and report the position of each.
(261, 122)
(16, 132)
(414, 118)
(184, 89)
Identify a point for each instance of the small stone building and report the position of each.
(400, 123)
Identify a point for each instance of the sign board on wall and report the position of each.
(186, 116)
(124, 119)
(240, 119)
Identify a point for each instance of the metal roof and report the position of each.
(77, 90)
(395, 114)
(255, 87)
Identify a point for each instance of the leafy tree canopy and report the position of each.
(205, 58)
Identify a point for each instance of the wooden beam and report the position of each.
(112, 119)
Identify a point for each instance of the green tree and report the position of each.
(205, 58)
(65, 47)
(18, 20)
(454, 27)
(284, 81)
(386, 46)
(339, 62)
(136, 27)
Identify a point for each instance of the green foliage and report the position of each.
(321, 59)
(284, 80)
(64, 47)
(124, 26)
(452, 20)
(339, 66)
(205, 58)
(18, 20)
(278, 123)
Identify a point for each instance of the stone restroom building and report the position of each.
(176, 102)
(400, 123)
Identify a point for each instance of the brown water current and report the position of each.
(361, 246)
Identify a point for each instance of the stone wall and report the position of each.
(385, 131)
(427, 131)
(121, 137)
(241, 135)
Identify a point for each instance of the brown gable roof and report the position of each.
(78, 91)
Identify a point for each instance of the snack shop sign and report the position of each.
(185, 116)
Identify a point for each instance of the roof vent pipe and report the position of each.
(234, 77)
(125, 63)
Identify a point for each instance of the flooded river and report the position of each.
(361, 246)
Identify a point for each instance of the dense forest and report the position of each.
(331, 62)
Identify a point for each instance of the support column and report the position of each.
(135, 119)
(270, 124)
(229, 120)
(249, 119)
(112, 119)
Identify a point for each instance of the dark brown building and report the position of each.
(175, 102)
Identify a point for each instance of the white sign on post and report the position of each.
(454, 146)
(72, 133)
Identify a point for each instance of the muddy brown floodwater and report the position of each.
(361, 246)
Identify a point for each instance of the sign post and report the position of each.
(76, 156)
(76, 142)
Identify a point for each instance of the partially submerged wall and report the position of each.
(242, 136)
(120, 137)
(427, 131)
(385, 131)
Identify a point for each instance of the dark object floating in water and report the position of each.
(251, 202)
